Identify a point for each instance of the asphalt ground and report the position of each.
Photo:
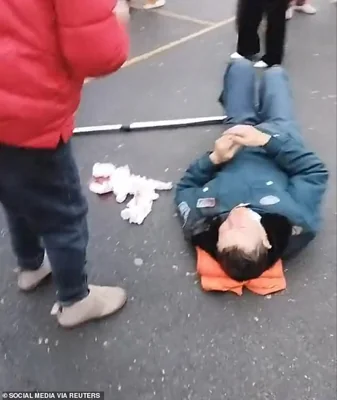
(172, 341)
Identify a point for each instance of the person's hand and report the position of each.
(247, 135)
(122, 11)
(224, 150)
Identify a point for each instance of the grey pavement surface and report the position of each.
(172, 341)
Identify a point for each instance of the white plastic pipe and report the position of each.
(164, 124)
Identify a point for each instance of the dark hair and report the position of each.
(242, 266)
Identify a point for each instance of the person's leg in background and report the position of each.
(153, 4)
(239, 93)
(290, 10)
(40, 189)
(146, 5)
(275, 33)
(32, 261)
(249, 17)
(302, 6)
(277, 111)
(305, 7)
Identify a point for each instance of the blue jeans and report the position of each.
(270, 108)
(46, 212)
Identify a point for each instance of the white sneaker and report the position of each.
(236, 56)
(261, 64)
(289, 13)
(29, 280)
(100, 302)
(306, 9)
(150, 5)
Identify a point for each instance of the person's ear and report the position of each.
(266, 243)
(219, 246)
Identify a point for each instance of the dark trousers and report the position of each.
(41, 194)
(249, 17)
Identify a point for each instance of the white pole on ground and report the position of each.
(164, 124)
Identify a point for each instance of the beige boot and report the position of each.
(29, 280)
(100, 302)
(152, 4)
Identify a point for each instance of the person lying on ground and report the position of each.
(47, 49)
(256, 198)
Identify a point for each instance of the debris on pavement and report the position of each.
(138, 262)
(107, 178)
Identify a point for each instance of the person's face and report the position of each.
(242, 229)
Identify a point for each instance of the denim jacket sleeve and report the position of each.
(188, 189)
(307, 176)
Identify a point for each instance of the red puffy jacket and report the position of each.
(47, 48)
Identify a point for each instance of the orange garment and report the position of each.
(213, 278)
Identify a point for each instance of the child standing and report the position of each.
(47, 49)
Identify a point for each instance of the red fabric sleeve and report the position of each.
(94, 43)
